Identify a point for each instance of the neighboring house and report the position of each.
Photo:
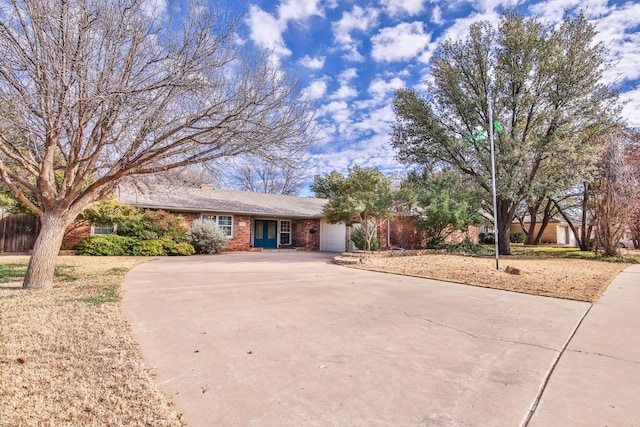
(250, 220)
(556, 232)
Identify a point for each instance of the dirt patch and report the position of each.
(67, 357)
(575, 279)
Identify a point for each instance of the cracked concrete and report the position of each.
(289, 339)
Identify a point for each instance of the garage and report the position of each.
(333, 237)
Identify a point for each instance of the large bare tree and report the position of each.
(95, 91)
(276, 176)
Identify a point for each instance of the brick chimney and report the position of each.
(206, 186)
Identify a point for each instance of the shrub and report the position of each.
(206, 237)
(517, 237)
(181, 249)
(467, 247)
(359, 238)
(487, 238)
(149, 248)
(107, 245)
(153, 225)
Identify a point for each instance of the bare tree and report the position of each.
(278, 176)
(617, 189)
(95, 91)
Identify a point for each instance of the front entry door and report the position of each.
(265, 234)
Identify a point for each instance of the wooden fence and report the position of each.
(18, 232)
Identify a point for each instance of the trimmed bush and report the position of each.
(149, 248)
(206, 237)
(359, 238)
(487, 238)
(181, 249)
(517, 237)
(107, 245)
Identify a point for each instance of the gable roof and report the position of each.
(194, 199)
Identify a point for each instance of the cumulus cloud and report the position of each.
(403, 7)
(154, 9)
(631, 110)
(617, 30)
(298, 10)
(380, 88)
(359, 19)
(436, 15)
(317, 89)
(347, 75)
(400, 43)
(266, 30)
(313, 63)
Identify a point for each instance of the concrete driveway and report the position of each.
(289, 339)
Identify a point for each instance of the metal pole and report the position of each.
(493, 181)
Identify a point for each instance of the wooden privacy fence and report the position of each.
(18, 232)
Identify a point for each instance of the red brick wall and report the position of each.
(301, 235)
(241, 240)
(404, 234)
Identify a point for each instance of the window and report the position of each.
(285, 232)
(100, 229)
(224, 222)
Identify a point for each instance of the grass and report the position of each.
(572, 252)
(107, 293)
(67, 356)
(12, 272)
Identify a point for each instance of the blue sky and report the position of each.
(352, 55)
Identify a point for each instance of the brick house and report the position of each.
(251, 221)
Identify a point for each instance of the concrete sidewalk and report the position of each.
(289, 339)
(597, 380)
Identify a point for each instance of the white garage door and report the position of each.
(332, 237)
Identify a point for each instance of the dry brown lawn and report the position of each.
(576, 279)
(67, 357)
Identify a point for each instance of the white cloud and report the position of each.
(317, 89)
(360, 19)
(436, 15)
(154, 9)
(617, 32)
(267, 30)
(380, 88)
(347, 75)
(631, 111)
(313, 63)
(400, 43)
(403, 7)
(295, 10)
(344, 92)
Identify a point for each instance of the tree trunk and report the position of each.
(506, 214)
(43, 260)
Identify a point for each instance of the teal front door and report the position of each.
(266, 235)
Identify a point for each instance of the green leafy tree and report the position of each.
(365, 198)
(328, 186)
(96, 91)
(112, 212)
(549, 102)
(445, 203)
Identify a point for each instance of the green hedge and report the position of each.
(114, 245)
(517, 237)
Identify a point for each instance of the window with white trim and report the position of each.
(101, 229)
(285, 232)
(224, 222)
